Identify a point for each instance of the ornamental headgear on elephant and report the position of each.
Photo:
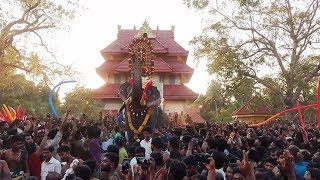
(140, 98)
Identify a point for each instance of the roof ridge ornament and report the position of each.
(145, 28)
(119, 30)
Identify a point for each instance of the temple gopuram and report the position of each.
(170, 70)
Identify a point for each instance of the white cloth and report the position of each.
(222, 172)
(19, 131)
(107, 143)
(147, 146)
(74, 163)
(132, 163)
(55, 144)
(52, 166)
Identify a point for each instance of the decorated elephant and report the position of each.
(141, 102)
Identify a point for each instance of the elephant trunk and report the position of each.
(137, 90)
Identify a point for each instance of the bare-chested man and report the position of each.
(16, 158)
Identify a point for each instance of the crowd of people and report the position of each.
(44, 148)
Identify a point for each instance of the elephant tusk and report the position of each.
(142, 102)
(128, 101)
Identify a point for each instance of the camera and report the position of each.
(202, 158)
(235, 167)
(125, 165)
(143, 161)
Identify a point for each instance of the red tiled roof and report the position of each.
(107, 66)
(159, 66)
(157, 46)
(170, 92)
(164, 42)
(254, 106)
(194, 113)
(179, 67)
(173, 91)
(107, 91)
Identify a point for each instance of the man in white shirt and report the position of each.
(146, 142)
(49, 164)
(139, 153)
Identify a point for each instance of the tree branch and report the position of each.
(17, 32)
(15, 66)
(43, 44)
(20, 20)
(304, 20)
(306, 80)
(311, 26)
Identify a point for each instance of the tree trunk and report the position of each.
(289, 102)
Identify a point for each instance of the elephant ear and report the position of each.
(153, 96)
(125, 91)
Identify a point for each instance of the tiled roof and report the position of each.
(174, 91)
(164, 42)
(254, 106)
(159, 66)
(170, 92)
(107, 66)
(194, 113)
(107, 91)
(177, 67)
(180, 67)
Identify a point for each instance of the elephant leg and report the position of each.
(130, 135)
(153, 119)
(156, 120)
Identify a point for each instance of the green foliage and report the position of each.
(25, 28)
(197, 3)
(81, 101)
(272, 45)
(218, 103)
(21, 91)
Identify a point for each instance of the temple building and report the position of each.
(254, 111)
(170, 70)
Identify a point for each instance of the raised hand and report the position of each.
(246, 167)
(68, 112)
(211, 165)
(46, 132)
(192, 143)
(211, 169)
(288, 165)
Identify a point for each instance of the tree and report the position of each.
(275, 43)
(23, 26)
(81, 101)
(219, 103)
(25, 93)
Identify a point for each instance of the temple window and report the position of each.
(172, 79)
(117, 78)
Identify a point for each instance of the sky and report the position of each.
(96, 28)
